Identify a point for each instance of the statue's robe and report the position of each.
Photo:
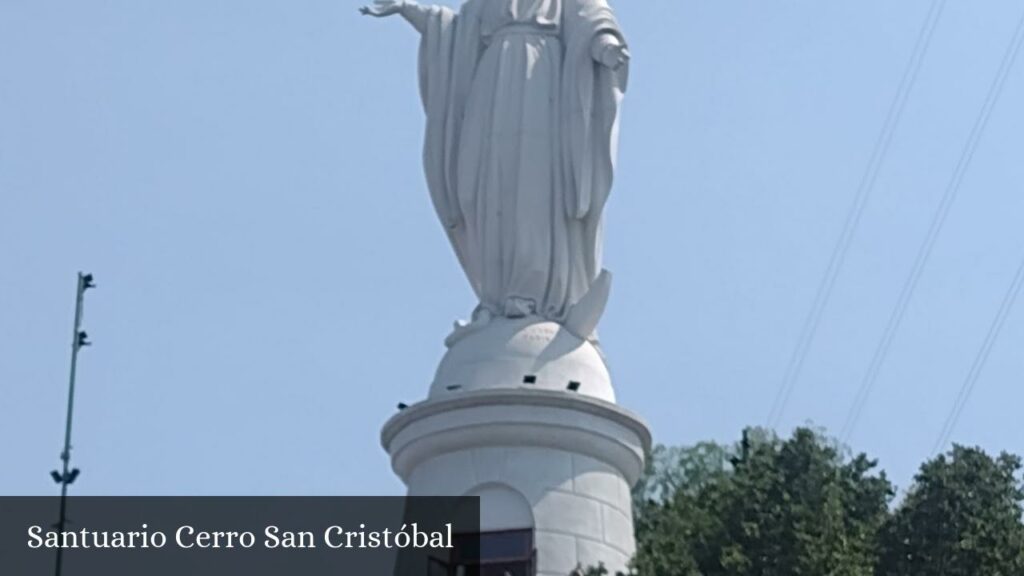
(520, 146)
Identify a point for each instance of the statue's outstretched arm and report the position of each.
(411, 11)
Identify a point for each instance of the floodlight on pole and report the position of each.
(79, 339)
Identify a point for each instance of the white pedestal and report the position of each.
(559, 462)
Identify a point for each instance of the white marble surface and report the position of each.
(522, 102)
(530, 353)
(570, 459)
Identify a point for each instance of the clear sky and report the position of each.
(244, 180)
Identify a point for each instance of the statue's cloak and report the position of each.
(587, 109)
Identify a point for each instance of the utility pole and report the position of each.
(78, 339)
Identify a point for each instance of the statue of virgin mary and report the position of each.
(522, 103)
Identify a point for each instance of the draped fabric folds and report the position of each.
(522, 129)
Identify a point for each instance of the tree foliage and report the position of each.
(962, 517)
(766, 507)
(804, 506)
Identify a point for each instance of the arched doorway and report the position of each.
(504, 546)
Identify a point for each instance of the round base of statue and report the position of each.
(528, 352)
(553, 468)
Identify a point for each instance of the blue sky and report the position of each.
(244, 181)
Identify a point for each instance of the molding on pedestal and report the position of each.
(517, 417)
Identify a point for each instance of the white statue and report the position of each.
(522, 100)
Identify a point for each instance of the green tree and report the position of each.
(671, 520)
(798, 507)
(765, 507)
(962, 517)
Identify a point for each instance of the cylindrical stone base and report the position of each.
(558, 463)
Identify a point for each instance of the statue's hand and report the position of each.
(609, 51)
(615, 56)
(382, 8)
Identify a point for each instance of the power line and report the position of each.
(864, 189)
(937, 223)
(980, 359)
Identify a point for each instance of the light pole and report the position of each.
(78, 339)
